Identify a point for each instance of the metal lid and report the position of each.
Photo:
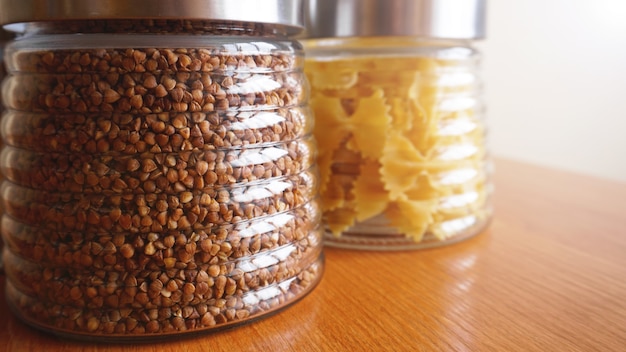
(444, 19)
(282, 12)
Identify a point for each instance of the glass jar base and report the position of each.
(367, 237)
(285, 294)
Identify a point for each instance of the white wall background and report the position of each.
(555, 75)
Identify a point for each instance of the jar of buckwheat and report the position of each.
(4, 37)
(160, 171)
(396, 92)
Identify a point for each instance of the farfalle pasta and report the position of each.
(401, 143)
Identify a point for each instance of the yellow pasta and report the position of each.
(329, 132)
(334, 196)
(399, 137)
(332, 77)
(340, 220)
(400, 165)
(369, 192)
(412, 217)
(369, 124)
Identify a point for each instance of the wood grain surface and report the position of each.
(548, 275)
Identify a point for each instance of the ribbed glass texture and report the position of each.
(401, 129)
(157, 183)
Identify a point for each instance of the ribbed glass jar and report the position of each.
(4, 37)
(402, 140)
(160, 176)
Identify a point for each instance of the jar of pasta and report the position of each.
(400, 121)
(160, 172)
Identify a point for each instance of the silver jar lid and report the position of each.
(287, 13)
(444, 19)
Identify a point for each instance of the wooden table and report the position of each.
(549, 275)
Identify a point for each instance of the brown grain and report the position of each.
(157, 190)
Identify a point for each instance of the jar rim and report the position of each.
(440, 19)
(287, 13)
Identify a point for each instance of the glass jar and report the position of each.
(160, 172)
(400, 121)
(4, 37)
